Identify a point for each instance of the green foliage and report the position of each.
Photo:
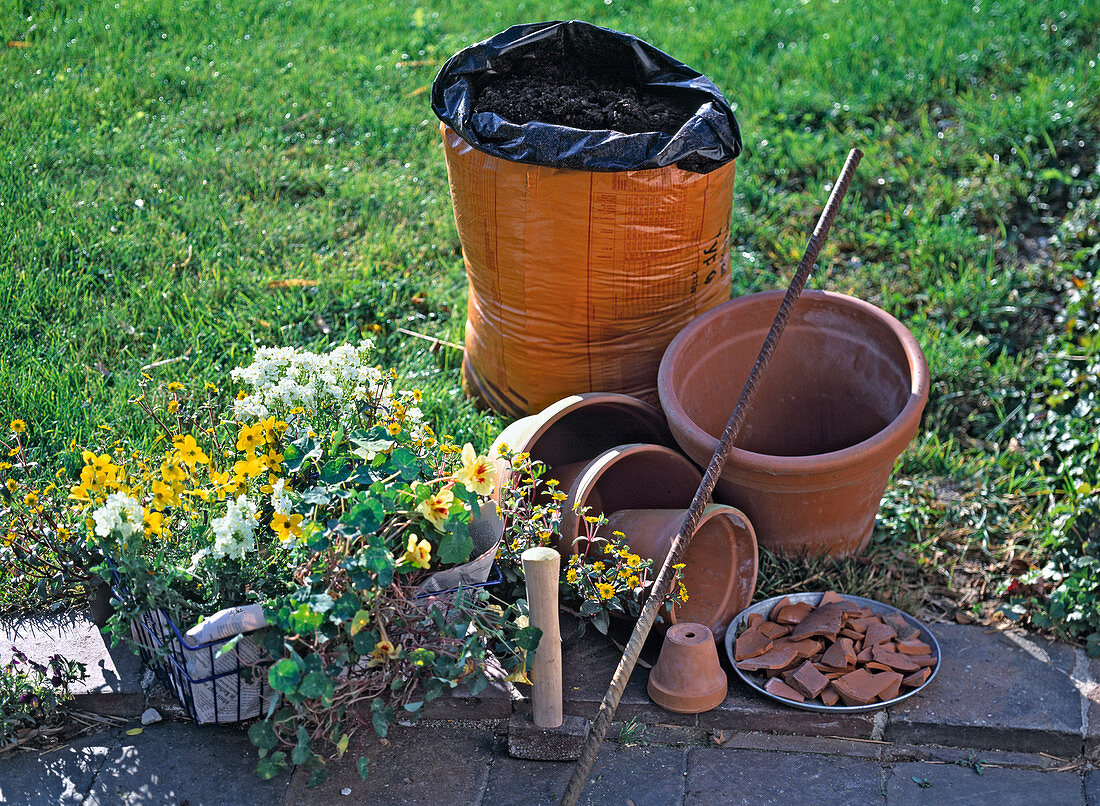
(34, 697)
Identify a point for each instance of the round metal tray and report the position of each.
(765, 607)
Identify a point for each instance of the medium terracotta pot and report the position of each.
(720, 563)
(841, 399)
(626, 477)
(688, 677)
(579, 428)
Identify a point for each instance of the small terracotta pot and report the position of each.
(626, 477)
(579, 428)
(688, 678)
(720, 563)
(841, 399)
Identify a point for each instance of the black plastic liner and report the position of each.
(707, 140)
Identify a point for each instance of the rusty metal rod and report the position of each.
(664, 579)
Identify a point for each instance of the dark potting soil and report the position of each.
(580, 92)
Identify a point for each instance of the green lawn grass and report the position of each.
(163, 163)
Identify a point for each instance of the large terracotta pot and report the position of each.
(578, 428)
(841, 399)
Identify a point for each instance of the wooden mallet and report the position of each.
(545, 735)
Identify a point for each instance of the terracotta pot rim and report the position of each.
(584, 484)
(890, 440)
(743, 536)
(567, 405)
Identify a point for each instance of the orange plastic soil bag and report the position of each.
(578, 280)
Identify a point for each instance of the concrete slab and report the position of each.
(746, 710)
(951, 785)
(588, 664)
(641, 776)
(113, 685)
(720, 777)
(1092, 788)
(60, 777)
(170, 764)
(411, 767)
(999, 691)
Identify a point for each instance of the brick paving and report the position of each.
(1022, 710)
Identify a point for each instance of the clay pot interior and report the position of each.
(627, 477)
(720, 564)
(834, 381)
(688, 678)
(578, 428)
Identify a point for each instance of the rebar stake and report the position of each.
(664, 579)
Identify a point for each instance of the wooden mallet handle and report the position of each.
(540, 568)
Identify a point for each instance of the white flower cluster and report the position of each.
(280, 501)
(285, 378)
(119, 513)
(233, 534)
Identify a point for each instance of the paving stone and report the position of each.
(61, 777)
(995, 691)
(588, 664)
(893, 753)
(741, 740)
(1092, 788)
(746, 710)
(1091, 692)
(716, 777)
(171, 763)
(113, 685)
(411, 767)
(641, 776)
(951, 785)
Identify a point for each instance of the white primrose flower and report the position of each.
(119, 513)
(233, 534)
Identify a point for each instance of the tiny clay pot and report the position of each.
(688, 677)
(579, 428)
(720, 562)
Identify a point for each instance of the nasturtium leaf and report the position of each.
(364, 642)
(302, 750)
(284, 676)
(304, 620)
(317, 777)
(406, 463)
(336, 471)
(263, 736)
(345, 607)
(382, 717)
(361, 619)
(272, 765)
(456, 545)
(342, 745)
(363, 766)
(528, 638)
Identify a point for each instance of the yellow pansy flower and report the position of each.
(188, 451)
(286, 526)
(250, 438)
(153, 523)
